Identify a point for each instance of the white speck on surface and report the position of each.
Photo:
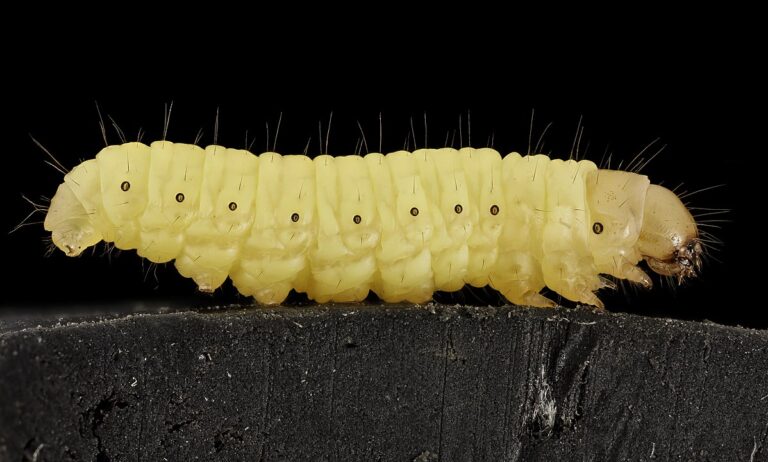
(545, 408)
(754, 451)
(36, 454)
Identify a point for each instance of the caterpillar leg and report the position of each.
(208, 270)
(572, 277)
(408, 279)
(634, 274)
(531, 299)
(264, 280)
(518, 276)
(344, 282)
(623, 268)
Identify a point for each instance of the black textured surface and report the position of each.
(353, 383)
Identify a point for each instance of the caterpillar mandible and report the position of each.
(403, 225)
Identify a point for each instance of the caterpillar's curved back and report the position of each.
(403, 224)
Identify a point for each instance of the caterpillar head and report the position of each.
(669, 238)
(632, 219)
(71, 227)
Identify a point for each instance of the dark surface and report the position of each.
(381, 383)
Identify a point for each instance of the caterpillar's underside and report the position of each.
(403, 224)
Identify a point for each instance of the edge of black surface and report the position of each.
(16, 320)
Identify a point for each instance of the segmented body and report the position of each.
(403, 225)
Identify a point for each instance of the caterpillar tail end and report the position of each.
(71, 227)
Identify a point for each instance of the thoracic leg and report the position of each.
(573, 277)
(635, 274)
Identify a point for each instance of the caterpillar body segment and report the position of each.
(403, 225)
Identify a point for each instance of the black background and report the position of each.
(693, 96)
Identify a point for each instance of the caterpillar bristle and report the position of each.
(58, 166)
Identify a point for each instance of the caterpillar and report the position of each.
(403, 225)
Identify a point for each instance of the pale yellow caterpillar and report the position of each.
(402, 225)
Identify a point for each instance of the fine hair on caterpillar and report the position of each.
(402, 225)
